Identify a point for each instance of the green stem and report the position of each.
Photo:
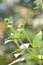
(28, 50)
(16, 44)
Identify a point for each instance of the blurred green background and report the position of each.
(18, 10)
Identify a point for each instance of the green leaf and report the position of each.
(37, 41)
(25, 57)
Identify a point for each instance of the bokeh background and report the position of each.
(18, 10)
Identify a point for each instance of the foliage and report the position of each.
(29, 54)
(39, 4)
(32, 53)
